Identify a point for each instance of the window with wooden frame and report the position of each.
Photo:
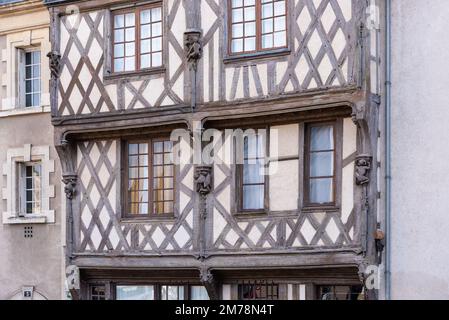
(137, 38)
(256, 25)
(150, 178)
(258, 290)
(251, 178)
(97, 292)
(341, 293)
(320, 164)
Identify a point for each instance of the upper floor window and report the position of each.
(31, 188)
(150, 178)
(252, 176)
(31, 78)
(137, 38)
(320, 169)
(257, 25)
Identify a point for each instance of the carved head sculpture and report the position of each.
(203, 180)
(55, 63)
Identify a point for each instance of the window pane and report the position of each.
(130, 34)
(267, 41)
(250, 14)
(28, 58)
(119, 35)
(267, 10)
(250, 44)
(279, 8)
(322, 138)
(253, 173)
(36, 71)
(156, 59)
(130, 49)
(145, 31)
(119, 65)
(133, 148)
(279, 24)
(267, 26)
(119, 50)
(156, 29)
(279, 39)
(321, 190)
(145, 46)
(156, 44)
(156, 14)
(253, 197)
(119, 21)
(237, 3)
(143, 148)
(250, 2)
(28, 72)
(237, 45)
(322, 164)
(237, 15)
(198, 293)
(250, 29)
(145, 16)
(145, 61)
(130, 64)
(129, 20)
(237, 30)
(135, 292)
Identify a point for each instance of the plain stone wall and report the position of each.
(420, 149)
(33, 261)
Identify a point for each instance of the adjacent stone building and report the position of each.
(31, 250)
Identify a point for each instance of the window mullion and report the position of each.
(137, 40)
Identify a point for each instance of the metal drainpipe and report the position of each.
(388, 152)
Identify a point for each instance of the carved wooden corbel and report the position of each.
(203, 180)
(209, 282)
(362, 169)
(55, 63)
(70, 185)
(72, 273)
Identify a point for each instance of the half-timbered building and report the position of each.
(127, 74)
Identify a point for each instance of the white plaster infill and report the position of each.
(15, 157)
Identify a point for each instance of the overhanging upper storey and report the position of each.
(122, 57)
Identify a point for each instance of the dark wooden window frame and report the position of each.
(239, 181)
(125, 182)
(259, 51)
(337, 164)
(255, 283)
(137, 10)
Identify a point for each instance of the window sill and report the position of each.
(318, 208)
(22, 111)
(250, 214)
(148, 219)
(31, 219)
(259, 55)
(133, 74)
